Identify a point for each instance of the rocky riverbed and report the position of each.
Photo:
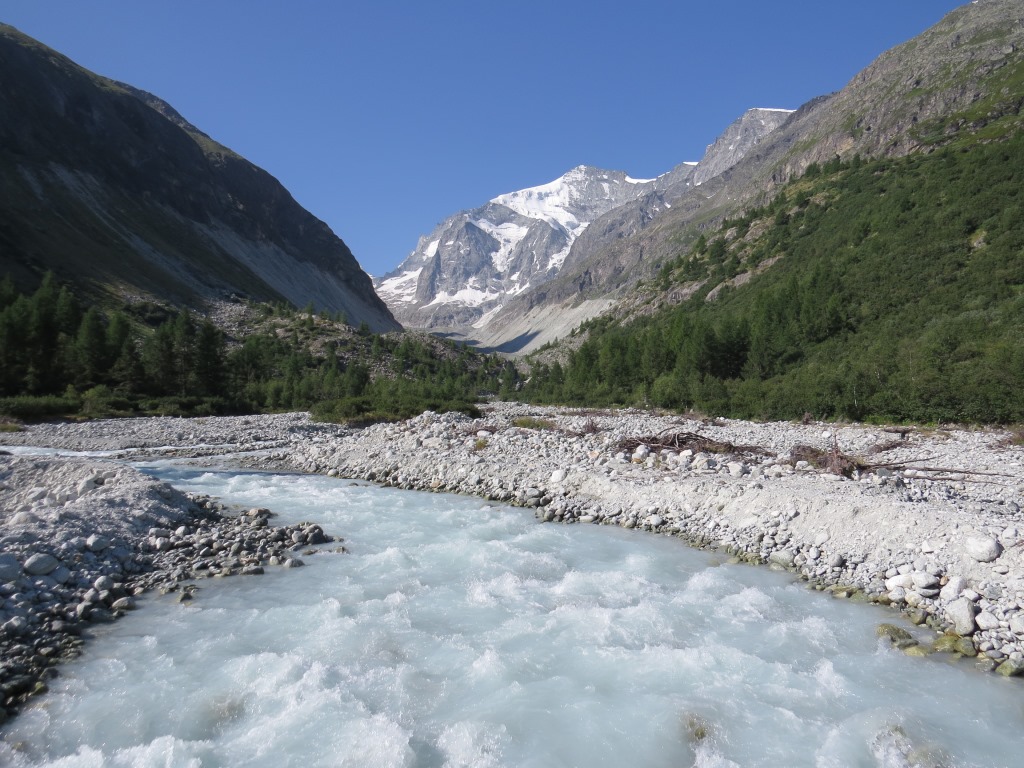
(82, 539)
(926, 520)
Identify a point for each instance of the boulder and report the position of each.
(924, 580)
(953, 588)
(962, 612)
(986, 620)
(41, 564)
(97, 543)
(984, 549)
(783, 557)
(1017, 624)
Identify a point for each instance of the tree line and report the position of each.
(60, 358)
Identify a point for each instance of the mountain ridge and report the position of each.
(459, 290)
(112, 189)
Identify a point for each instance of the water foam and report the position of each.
(459, 634)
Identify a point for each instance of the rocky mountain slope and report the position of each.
(111, 189)
(960, 75)
(475, 262)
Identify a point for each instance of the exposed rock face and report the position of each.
(475, 260)
(474, 263)
(737, 141)
(109, 187)
(609, 255)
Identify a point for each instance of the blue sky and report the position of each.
(383, 117)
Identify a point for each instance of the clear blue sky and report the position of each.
(383, 117)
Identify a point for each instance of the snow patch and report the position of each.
(401, 289)
(509, 235)
(470, 297)
(548, 202)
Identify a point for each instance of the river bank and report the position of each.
(933, 527)
(82, 538)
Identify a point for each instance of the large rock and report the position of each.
(1017, 624)
(986, 620)
(41, 564)
(962, 612)
(953, 588)
(984, 549)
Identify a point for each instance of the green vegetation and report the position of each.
(871, 290)
(532, 422)
(57, 359)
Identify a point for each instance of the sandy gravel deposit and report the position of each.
(926, 520)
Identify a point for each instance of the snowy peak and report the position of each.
(570, 201)
(473, 261)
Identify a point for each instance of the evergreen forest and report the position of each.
(60, 359)
(890, 289)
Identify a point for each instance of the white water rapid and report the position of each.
(456, 633)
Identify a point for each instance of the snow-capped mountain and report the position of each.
(475, 260)
(474, 268)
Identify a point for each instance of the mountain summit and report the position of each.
(475, 260)
(465, 272)
(110, 188)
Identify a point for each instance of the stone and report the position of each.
(41, 564)
(962, 612)
(1011, 668)
(558, 476)
(951, 591)
(897, 595)
(783, 557)
(984, 549)
(917, 650)
(97, 543)
(986, 620)
(902, 580)
(1017, 624)
(892, 633)
(103, 583)
(924, 580)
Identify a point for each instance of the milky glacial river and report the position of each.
(456, 633)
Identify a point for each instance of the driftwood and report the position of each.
(679, 441)
(838, 463)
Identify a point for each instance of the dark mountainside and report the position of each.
(960, 75)
(112, 190)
